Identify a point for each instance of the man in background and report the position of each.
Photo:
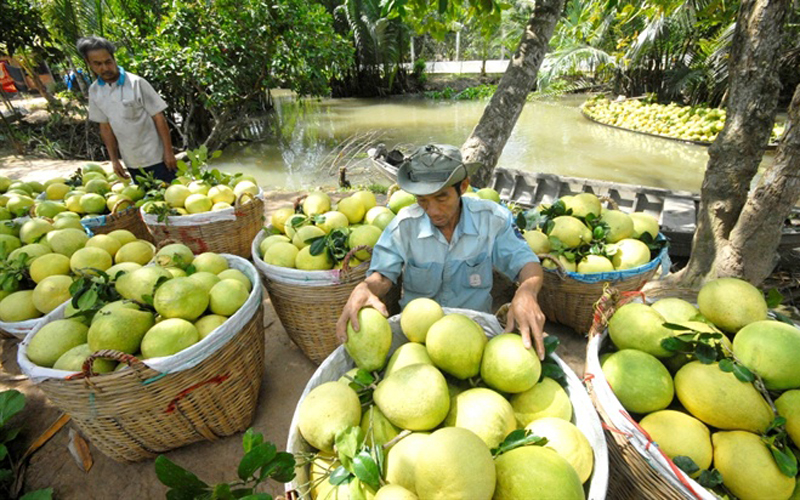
(130, 114)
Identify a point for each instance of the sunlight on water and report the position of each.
(550, 136)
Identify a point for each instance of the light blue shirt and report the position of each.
(454, 274)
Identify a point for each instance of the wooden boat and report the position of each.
(676, 211)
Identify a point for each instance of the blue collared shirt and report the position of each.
(456, 273)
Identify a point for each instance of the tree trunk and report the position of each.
(490, 135)
(30, 68)
(735, 155)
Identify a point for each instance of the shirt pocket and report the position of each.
(476, 272)
(131, 109)
(423, 279)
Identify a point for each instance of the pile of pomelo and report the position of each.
(700, 380)
(187, 195)
(441, 417)
(149, 311)
(691, 123)
(587, 237)
(17, 197)
(41, 259)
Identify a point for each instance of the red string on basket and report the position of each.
(611, 428)
(587, 377)
(213, 380)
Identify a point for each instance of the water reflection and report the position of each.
(550, 136)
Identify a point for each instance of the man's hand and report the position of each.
(526, 316)
(361, 297)
(169, 160)
(119, 169)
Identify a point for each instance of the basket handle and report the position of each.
(240, 199)
(611, 202)
(392, 189)
(129, 359)
(502, 313)
(165, 242)
(116, 208)
(560, 270)
(32, 211)
(346, 261)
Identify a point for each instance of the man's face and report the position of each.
(443, 207)
(103, 65)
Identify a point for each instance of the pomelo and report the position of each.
(620, 225)
(123, 236)
(174, 254)
(49, 209)
(402, 458)
(18, 306)
(771, 349)
(400, 199)
(210, 262)
(93, 203)
(731, 303)
(281, 254)
(182, 298)
(235, 274)
(222, 194)
(644, 223)
(176, 272)
(136, 284)
(124, 267)
(197, 203)
(227, 296)
(595, 264)
(679, 434)
(507, 366)
(788, 405)
(271, 240)
(538, 241)
(394, 492)
(106, 242)
(293, 223)
(641, 383)
(316, 203)
(567, 440)
(536, 472)
(121, 329)
(675, 310)
(639, 326)
(370, 345)
(73, 360)
(199, 187)
(352, 208)
(545, 399)
(32, 251)
(328, 409)
(33, 230)
(377, 428)
(205, 280)
(88, 260)
(56, 191)
(245, 186)
(484, 412)
(49, 265)
(168, 337)
(374, 212)
(414, 397)
(455, 344)
(567, 264)
(208, 324)
(748, 468)
(51, 292)
(629, 254)
(488, 193)
(571, 232)
(304, 234)
(54, 339)
(583, 204)
(383, 220)
(98, 186)
(366, 235)
(138, 251)
(367, 199)
(279, 217)
(333, 219)
(418, 316)
(410, 353)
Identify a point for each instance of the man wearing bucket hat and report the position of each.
(446, 246)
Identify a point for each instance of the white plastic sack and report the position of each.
(622, 421)
(584, 415)
(21, 328)
(183, 360)
(294, 276)
(229, 214)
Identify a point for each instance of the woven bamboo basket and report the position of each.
(568, 298)
(129, 219)
(227, 231)
(137, 413)
(584, 416)
(308, 303)
(638, 468)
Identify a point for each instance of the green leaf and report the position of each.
(175, 476)
(774, 298)
(222, 492)
(348, 441)
(45, 494)
(364, 377)
(257, 496)
(787, 462)
(6, 475)
(11, 402)
(709, 478)
(553, 371)
(318, 245)
(550, 345)
(256, 458)
(705, 353)
(726, 365)
(10, 434)
(281, 468)
(775, 424)
(3, 452)
(675, 344)
(339, 476)
(685, 464)
(783, 318)
(742, 373)
(675, 326)
(88, 299)
(516, 439)
(366, 470)
(251, 439)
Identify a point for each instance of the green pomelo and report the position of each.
(279, 217)
(136, 284)
(584, 204)
(394, 492)
(124, 267)
(675, 310)
(316, 203)
(56, 191)
(571, 232)
(304, 234)
(748, 469)
(629, 254)
(326, 410)
(210, 262)
(414, 397)
(620, 225)
(417, 318)
(536, 472)
(176, 272)
(455, 344)
(538, 241)
(226, 297)
(367, 199)
(9, 243)
(332, 220)
(54, 339)
(113, 306)
(402, 458)
(377, 428)
(307, 262)
(92, 203)
(176, 195)
(19, 205)
(168, 337)
(235, 274)
(49, 209)
(9, 228)
(545, 399)
(32, 230)
(719, 399)
(32, 251)
(175, 254)
(455, 464)
(121, 329)
(72, 361)
(295, 222)
(679, 434)
(352, 208)
(564, 438)
(370, 345)
(731, 303)
(366, 235)
(489, 194)
(221, 194)
(640, 381)
(383, 220)
(281, 254)
(88, 260)
(208, 324)
(271, 240)
(401, 199)
(123, 236)
(198, 203)
(788, 405)
(182, 298)
(98, 186)
(644, 223)
(135, 193)
(51, 292)
(507, 366)
(594, 264)
(205, 280)
(484, 412)
(408, 354)
(374, 212)
(136, 251)
(105, 242)
(639, 326)
(199, 187)
(771, 349)
(68, 222)
(73, 203)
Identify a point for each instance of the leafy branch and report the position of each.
(517, 439)
(335, 243)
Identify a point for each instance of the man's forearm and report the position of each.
(110, 140)
(531, 277)
(163, 131)
(378, 284)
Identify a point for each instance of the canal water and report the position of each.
(297, 146)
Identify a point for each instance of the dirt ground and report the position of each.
(286, 372)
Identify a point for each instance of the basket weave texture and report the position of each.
(129, 219)
(637, 469)
(224, 236)
(137, 413)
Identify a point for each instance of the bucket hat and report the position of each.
(431, 168)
